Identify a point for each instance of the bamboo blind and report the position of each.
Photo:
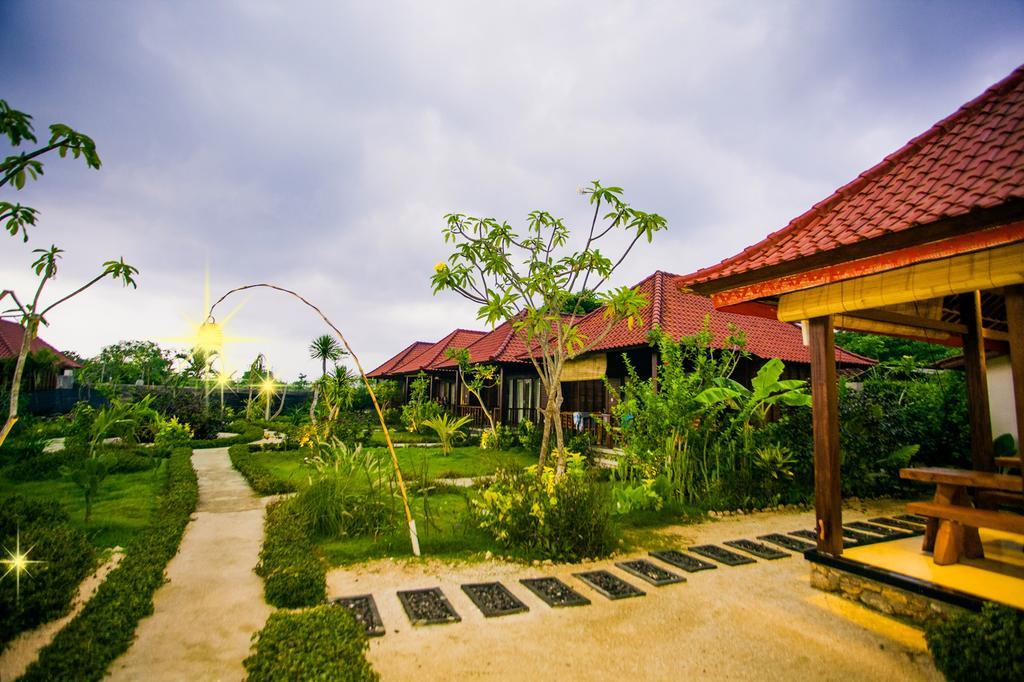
(585, 369)
(980, 270)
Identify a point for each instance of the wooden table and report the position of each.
(953, 522)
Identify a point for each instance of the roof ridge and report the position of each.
(852, 187)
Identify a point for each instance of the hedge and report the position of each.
(293, 574)
(68, 557)
(105, 627)
(323, 643)
(979, 646)
(258, 476)
(250, 433)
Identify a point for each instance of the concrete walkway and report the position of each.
(213, 602)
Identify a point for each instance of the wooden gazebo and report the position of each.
(928, 244)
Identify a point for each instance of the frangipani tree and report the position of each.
(529, 278)
(33, 313)
(476, 378)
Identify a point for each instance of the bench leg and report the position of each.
(949, 541)
(973, 548)
(930, 526)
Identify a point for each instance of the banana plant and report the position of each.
(767, 389)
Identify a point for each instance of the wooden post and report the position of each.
(501, 394)
(977, 382)
(654, 368)
(825, 400)
(1015, 326)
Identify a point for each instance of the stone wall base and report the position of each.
(892, 601)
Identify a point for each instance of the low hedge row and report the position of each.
(979, 646)
(67, 555)
(293, 574)
(258, 476)
(323, 643)
(104, 629)
(248, 434)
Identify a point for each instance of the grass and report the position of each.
(447, 535)
(123, 506)
(468, 461)
(401, 436)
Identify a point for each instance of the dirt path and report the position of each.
(760, 621)
(213, 602)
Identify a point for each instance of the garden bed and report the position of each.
(494, 599)
(428, 607)
(554, 592)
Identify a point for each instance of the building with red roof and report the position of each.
(674, 312)
(11, 336)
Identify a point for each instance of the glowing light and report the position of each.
(268, 386)
(223, 379)
(210, 336)
(18, 563)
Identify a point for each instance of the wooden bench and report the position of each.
(953, 537)
(1008, 462)
(953, 522)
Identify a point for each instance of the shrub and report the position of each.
(293, 575)
(323, 643)
(579, 442)
(529, 436)
(979, 646)
(350, 493)
(258, 476)
(68, 557)
(171, 433)
(43, 466)
(563, 518)
(247, 433)
(104, 628)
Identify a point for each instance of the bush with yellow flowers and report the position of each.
(540, 513)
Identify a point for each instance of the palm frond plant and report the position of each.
(323, 348)
(447, 428)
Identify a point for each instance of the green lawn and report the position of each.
(122, 508)
(401, 436)
(468, 461)
(447, 535)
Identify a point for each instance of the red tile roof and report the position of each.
(413, 349)
(433, 354)
(500, 345)
(973, 159)
(680, 314)
(11, 335)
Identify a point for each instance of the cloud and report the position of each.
(319, 145)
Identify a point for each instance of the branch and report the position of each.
(74, 293)
(25, 158)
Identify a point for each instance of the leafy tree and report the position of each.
(419, 407)
(889, 349)
(33, 313)
(325, 347)
(529, 278)
(583, 302)
(476, 378)
(126, 362)
(17, 169)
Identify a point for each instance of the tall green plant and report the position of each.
(447, 429)
(476, 378)
(529, 278)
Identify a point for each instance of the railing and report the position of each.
(478, 418)
(596, 425)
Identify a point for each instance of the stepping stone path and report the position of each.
(431, 606)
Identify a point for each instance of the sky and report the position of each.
(318, 145)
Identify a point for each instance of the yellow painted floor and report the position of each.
(998, 577)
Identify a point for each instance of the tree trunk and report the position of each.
(559, 435)
(31, 329)
(312, 405)
(284, 394)
(545, 441)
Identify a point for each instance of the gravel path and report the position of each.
(760, 621)
(213, 602)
